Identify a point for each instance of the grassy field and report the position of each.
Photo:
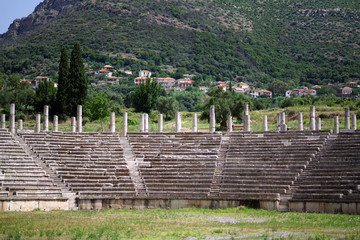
(326, 113)
(190, 223)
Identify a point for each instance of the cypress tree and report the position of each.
(63, 94)
(78, 80)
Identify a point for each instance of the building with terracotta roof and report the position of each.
(144, 73)
(184, 83)
(344, 92)
(265, 92)
(105, 72)
(204, 89)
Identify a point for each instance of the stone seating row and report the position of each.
(336, 174)
(269, 162)
(90, 164)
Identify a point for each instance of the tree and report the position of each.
(45, 94)
(145, 96)
(167, 106)
(279, 88)
(64, 91)
(97, 107)
(78, 81)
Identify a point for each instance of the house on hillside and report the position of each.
(166, 83)
(139, 80)
(223, 86)
(36, 82)
(184, 83)
(128, 72)
(144, 73)
(238, 89)
(301, 92)
(344, 92)
(352, 84)
(189, 76)
(265, 92)
(204, 89)
(104, 72)
(109, 68)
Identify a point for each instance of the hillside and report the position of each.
(256, 41)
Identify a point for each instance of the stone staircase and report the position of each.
(219, 168)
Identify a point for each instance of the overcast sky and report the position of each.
(13, 9)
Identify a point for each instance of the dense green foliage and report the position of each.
(97, 107)
(78, 88)
(296, 42)
(63, 93)
(145, 96)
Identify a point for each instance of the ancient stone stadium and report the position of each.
(301, 170)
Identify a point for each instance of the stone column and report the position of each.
(318, 124)
(142, 126)
(336, 125)
(56, 123)
(73, 124)
(312, 118)
(38, 123)
(177, 122)
(265, 123)
(212, 119)
(46, 118)
(3, 121)
(300, 122)
(194, 122)
(160, 123)
(229, 124)
(112, 122)
(20, 125)
(353, 122)
(283, 126)
(278, 121)
(146, 122)
(347, 119)
(246, 113)
(125, 124)
(247, 127)
(12, 118)
(79, 118)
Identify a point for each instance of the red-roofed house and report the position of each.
(184, 83)
(105, 72)
(109, 67)
(352, 84)
(144, 73)
(166, 83)
(265, 92)
(204, 89)
(344, 92)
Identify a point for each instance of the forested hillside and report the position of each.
(257, 41)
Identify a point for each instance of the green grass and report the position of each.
(189, 223)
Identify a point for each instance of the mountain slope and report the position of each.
(257, 41)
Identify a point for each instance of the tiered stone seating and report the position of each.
(263, 165)
(176, 165)
(21, 177)
(90, 164)
(336, 175)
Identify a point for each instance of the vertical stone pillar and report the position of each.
(229, 124)
(212, 119)
(3, 121)
(283, 126)
(12, 118)
(125, 124)
(347, 119)
(312, 118)
(247, 127)
(353, 122)
(318, 124)
(56, 123)
(300, 122)
(46, 118)
(112, 122)
(38, 123)
(142, 126)
(265, 123)
(20, 125)
(146, 122)
(194, 122)
(160, 123)
(73, 124)
(177, 122)
(246, 113)
(79, 118)
(336, 125)
(278, 121)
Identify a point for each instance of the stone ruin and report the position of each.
(310, 170)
